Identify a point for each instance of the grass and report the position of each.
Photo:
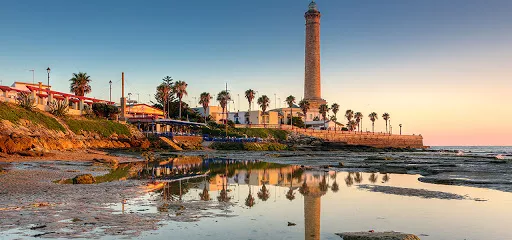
(14, 114)
(104, 127)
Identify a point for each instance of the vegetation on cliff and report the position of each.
(104, 127)
(14, 114)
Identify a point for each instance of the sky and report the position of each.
(442, 69)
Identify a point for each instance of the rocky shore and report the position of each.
(28, 139)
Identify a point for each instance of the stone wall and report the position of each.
(364, 139)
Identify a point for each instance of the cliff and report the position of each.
(23, 131)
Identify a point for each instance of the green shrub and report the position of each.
(104, 110)
(59, 108)
(25, 100)
(14, 114)
(104, 127)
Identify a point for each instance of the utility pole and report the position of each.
(226, 122)
(275, 101)
(110, 83)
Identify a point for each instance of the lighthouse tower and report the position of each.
(312, 85)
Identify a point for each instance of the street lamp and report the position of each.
(110, 82)
(48, 71)
(400, 128)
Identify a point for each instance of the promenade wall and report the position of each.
(378, 140)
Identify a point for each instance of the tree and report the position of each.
(264, 102)
(80, 84)
(180, 89)
(290, 100)
(323, 110)
(264, 193)
(164, 94)
(352, 125)
(204, 100)
(249, 95)
(359, 118)
(223, 98)
(386, 117)
(304, 107)
(349, 114)
(373, 116)
(335, 108)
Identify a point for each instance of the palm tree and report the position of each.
(290, 100)
(304, 106)
(263, 101)
(80, 84)
(204, 99)
(223, 98)
(164, 94)
(349, 114)
(358, 178)
(180, 89)
(323, 110)
(373, 178)
(335, 108)
(386, 178)
(373, 116)
(249, 94)
(264, 193)
(386, 117)
(352, 125)
(249, 201)
(359, 120)
(335, 186)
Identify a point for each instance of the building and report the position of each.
(255, 117)
(143, 110)
(43, 96)
(312, 83)
(215, 112)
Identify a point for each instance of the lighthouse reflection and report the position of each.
(248, 184)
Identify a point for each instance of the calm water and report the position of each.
(258, 200)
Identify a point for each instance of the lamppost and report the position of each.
(33, 72)
(400, 128)
(48, 71)
(110, 82)
(275, 101)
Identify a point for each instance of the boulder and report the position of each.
(84, 179)
(377, 236)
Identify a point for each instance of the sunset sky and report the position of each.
(441, 68)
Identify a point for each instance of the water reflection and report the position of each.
(223, 178)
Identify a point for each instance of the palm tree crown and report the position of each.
(304, 107)
(249, 94)
(290, 100)
(359, 117)
(386, 117)
(204, 100)
(180, 89)
(223, 97)
(80, 84)
(264, 102)
(349, 114)
(373, 116)
(323, 110)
